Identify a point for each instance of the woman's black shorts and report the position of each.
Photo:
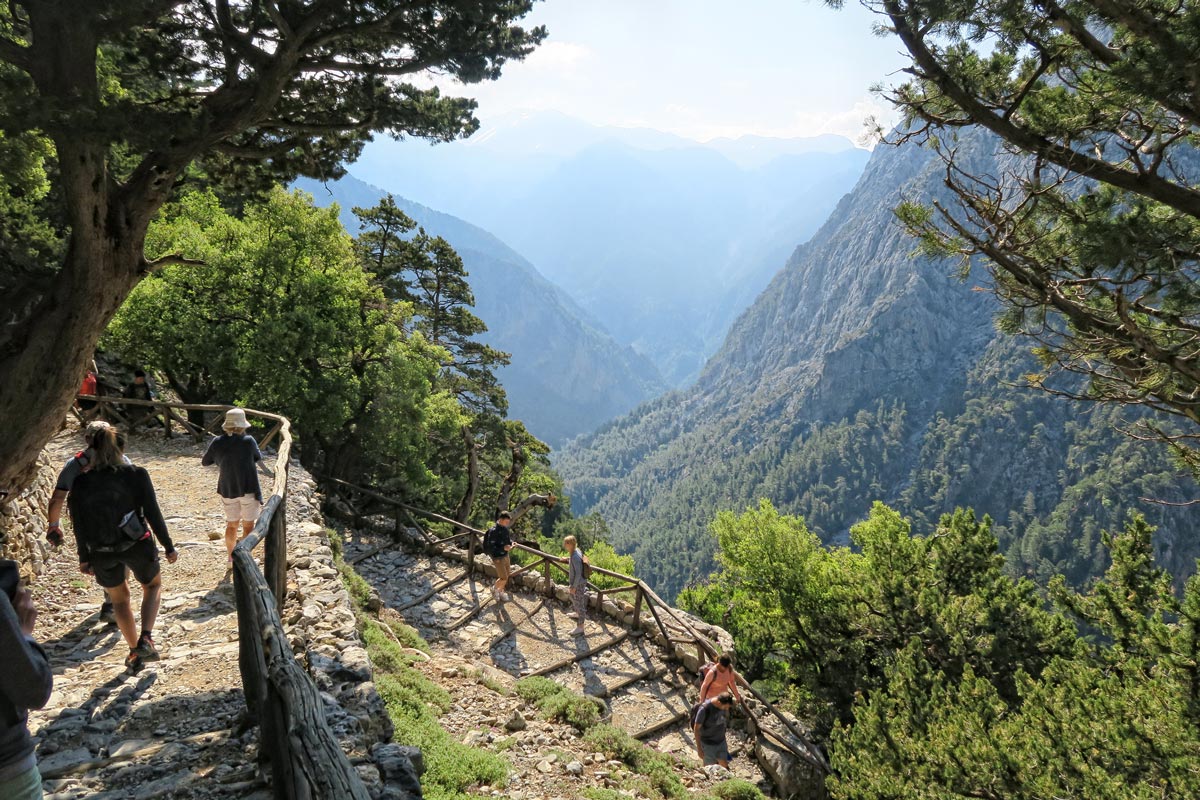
(142, 559)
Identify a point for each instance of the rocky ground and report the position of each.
(479, 650)
(176, 728)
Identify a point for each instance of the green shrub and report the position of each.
(537, 688)
(359, 589)
(596, 793)
(450, 766)
(570, 708)
(408, 635)
(335, 543)
(658, 768)
(613, 742)
(558, 703)
(737, 789)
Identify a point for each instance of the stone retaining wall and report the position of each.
(23, 521)
(319, 619)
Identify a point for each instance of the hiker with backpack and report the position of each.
(718, 678)
(497, 543)
(577, 578)
(111, 504)
(708, 725)
(236, 454)
(75, 466)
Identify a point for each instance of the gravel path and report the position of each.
(169, 731)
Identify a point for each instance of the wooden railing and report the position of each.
(674, 631)
(305, 759)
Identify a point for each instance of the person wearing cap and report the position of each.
(236, 454)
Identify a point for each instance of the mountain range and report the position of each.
(567, 375)
(664, 240)
(864, 373)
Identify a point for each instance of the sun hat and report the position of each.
(235, 418)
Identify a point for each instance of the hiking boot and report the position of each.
(145, 648)
(133, 663)
(106, 613)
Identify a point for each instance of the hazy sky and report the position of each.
(702, 68)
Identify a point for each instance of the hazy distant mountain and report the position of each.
(567, 375)
(664, 239)
(863, 374)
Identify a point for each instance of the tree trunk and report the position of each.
(514, 475)
(463, 512)
(43, 351)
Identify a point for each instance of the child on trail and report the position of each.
(721, 678)
(709, 729)
(236, 454)
(578, 583)
(27, 684)
(110, 506)
(497, 544)
(77, 465)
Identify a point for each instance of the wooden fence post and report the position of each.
(275, 563)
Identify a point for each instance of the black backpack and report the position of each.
(493, 542)
(100, 501)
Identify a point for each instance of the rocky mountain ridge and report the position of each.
(865, 373)
(567, 374)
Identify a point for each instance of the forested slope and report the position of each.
(567, 374)
(865, 373)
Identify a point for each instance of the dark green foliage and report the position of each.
(139, 99)
(1111, 718)
(425, 272)
(1091, 230)
(281, 316)
(842, 616)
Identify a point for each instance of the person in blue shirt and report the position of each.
(236, 456)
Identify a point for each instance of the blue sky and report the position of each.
(702, 68)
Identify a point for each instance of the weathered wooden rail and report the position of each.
(676, 634)
(304, 757)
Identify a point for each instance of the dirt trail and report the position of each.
(168, 731)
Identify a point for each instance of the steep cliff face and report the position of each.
(863, 373)
(567, 374)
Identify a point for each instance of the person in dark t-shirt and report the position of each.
(236, 454)
(709, 728)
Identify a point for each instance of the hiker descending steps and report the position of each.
(497, 543)
(111, 504)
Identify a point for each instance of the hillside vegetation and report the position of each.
(865, 373)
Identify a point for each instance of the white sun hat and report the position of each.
(235, 418)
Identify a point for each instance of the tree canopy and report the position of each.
(138, 98)
(1092, 231)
